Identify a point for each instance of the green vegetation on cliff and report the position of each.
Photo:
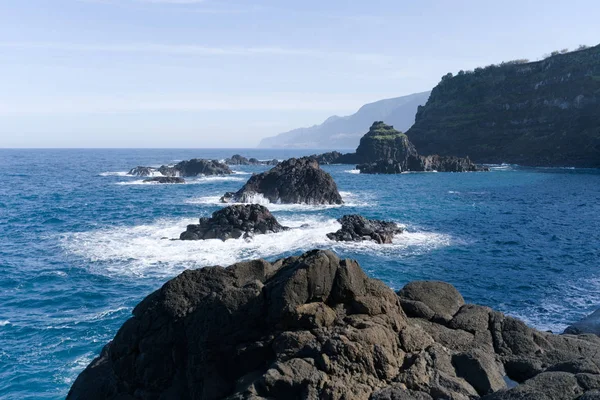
(539, 113)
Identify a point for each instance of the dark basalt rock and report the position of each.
(589, 324)
(234, 222)
(197, 166)
(356, 228)
(237, 159)
(142, 171)
(421, 164)
(384, 150)
(543, 113)
(316, 327)
(188, 168)
(165, 179)
(294, 181)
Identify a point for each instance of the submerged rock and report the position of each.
(316, 327)
(165, 179)
(234, 222)
(294, 181)
(356, 228)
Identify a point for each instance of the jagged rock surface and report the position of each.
(165, 179)
(189, 168)
(316, 327)
(294, 181)
(142, 171)
(237, 159)
(384, 150)
(356, 228)
(421, 164)
(543, 113)
(234, 222)
(589, 324)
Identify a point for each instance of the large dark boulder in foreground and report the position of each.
(316, 327)
(294, 181)
(165, 179)
(356, 228)
(234, 222)
(189, 168)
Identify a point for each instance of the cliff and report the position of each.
(385, 150)
(345, 132)
(316, 327)
(544, 113)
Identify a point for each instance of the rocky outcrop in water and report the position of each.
(234, 222)
(316, 327)
(294, 181)
(164, 179)
(543, 113)
(142, 171)
(356, 228)
(384, 150)
(189, 168)
(589, 324)
(237, 159)
(421, 164)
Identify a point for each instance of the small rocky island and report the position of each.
(356, 228)
(189, 168)
(316, 327)
(233, 222)
(384, 150)
(237, 159)
(293, 181)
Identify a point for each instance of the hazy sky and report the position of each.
(225, 73)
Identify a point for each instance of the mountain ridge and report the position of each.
(344, 132)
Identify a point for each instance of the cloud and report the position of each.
(144, 103)
(200, 50)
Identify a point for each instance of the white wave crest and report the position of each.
(350, 200)
(200, 180)
(144, 249)
(352, 171)
(116, 173)
(4, 323)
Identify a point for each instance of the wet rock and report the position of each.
(142, 171)
(356, 228)
(165, 179)
(294, 181)
(234, 222)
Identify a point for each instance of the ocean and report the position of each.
(81, 243)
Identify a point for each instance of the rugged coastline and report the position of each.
(315, 326)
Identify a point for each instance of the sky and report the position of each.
(226, 73)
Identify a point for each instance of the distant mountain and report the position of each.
(345, 132)
(544, 113)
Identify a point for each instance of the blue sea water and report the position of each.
(81, 244)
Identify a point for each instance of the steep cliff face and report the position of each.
(544, 113)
